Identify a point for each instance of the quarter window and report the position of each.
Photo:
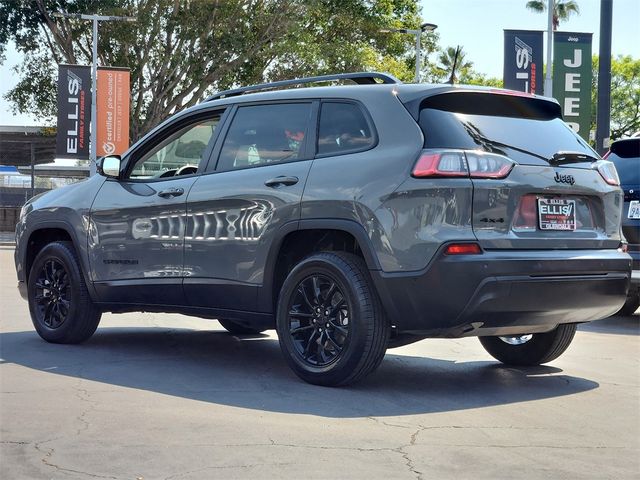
(343, 129)
(264, 134)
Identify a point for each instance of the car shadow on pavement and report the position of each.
(618, 325)
(250, 372)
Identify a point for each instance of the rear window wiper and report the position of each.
(562, 158)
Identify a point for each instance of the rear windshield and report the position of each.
(491, 122)
(626, 157)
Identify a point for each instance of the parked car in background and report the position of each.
(350, 218)
(625, 154)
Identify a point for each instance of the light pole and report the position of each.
(94, 73)
(548, 82)
(425, 27)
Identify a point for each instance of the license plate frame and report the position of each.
(634, 210)
(556, 214)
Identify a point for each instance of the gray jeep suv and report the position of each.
(350, 218)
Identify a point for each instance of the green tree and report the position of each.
(180, 51)
(451, 61)
(625, 96)
(562, 9)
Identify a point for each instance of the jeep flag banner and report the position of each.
(74, 111)
(112, 106)
(523, 61)
(572, 79)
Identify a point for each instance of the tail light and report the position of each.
(474, 164)
(608, 172)
(441, 164)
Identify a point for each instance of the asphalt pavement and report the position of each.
(154, 396)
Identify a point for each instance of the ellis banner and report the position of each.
(74, 111)
(112, 106)
(523, 61)
(572, 79)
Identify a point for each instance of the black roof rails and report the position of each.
(361, 78)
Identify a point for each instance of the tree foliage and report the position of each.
(562, 9)
(180, 51)
(625, 96)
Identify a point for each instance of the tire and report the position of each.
(630, 306)
(238, 329)
(341, 330)
(63, 313)
(541, 348)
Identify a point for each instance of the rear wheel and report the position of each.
(330, 323)
(531, 349)
(237, 328)
(59, 303)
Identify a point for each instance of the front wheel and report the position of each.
(59, 302)
(330, 323)
(531, 349)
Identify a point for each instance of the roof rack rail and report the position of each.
(361, 78)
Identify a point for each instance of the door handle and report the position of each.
(171, 192)
(281, 180)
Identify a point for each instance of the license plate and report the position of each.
(556, 214)
(634, 209)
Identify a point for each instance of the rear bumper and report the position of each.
(505, 292)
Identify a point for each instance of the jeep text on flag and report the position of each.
(523, 61)
(112, 106)
(74, 111)
(572, 79)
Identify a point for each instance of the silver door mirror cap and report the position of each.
(109, 166)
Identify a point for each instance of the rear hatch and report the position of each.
(625, 154)
(536, 184)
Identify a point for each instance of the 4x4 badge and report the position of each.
(559, 178)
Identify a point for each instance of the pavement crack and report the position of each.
(48, 454)
(405, 455)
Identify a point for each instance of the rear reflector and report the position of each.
(474, 164)
(463, 249)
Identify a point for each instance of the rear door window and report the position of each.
(343, 129)
(266, 134)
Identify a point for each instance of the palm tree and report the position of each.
(452, 60)
(562, 9)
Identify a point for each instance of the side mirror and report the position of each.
(109, 166)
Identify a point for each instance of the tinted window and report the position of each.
(179, 154)
(343, 128)
(514, 122)
(265, 134)
(625, 155)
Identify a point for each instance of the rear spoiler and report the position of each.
(479, 101)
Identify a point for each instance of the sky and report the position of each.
(476, 25)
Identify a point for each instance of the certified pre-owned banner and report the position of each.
(523, 61)
(112, 111)
(572, 79)
(74, 111)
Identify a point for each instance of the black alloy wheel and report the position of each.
(53, 296)
(319, 316)
(59, 302)
(330, 323)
